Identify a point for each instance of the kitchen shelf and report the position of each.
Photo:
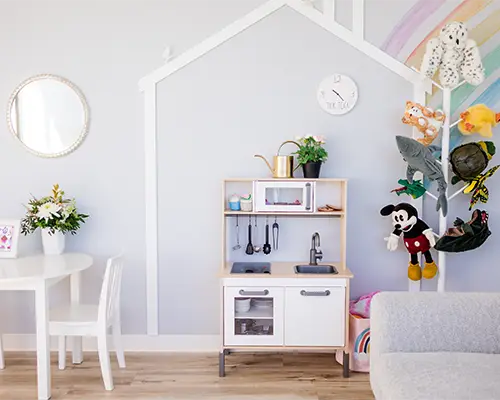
(289, 213)
(287, 179)
(256, 313)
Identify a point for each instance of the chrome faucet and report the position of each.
(315, 253)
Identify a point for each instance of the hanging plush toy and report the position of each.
(421, 158)
(469, 162)
(465, 236)
(417, 236)
(478, 119)
(455, 55)
(425, 119)
(415, 189)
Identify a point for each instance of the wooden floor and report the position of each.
(262, 376)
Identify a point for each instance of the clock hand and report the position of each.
(337, 94)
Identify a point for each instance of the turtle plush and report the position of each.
(468, 162)
(470, 159)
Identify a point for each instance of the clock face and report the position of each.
(337, 94)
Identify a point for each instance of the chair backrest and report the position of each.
(109, 301)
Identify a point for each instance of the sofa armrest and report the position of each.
(435, 322)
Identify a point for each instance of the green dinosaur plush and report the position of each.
(415, 189)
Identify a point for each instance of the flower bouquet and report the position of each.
(55, 216)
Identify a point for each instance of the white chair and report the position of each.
(94, 320)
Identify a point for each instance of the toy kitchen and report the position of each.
(279, 298)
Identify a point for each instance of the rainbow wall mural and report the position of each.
(482, 18)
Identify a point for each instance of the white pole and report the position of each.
(445, 152)
(418, 97)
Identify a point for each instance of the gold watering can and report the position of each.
(282, 164)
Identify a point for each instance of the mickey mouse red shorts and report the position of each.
(418, 244)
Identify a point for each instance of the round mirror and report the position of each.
(49, 115)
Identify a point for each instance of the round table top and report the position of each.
(42, 267)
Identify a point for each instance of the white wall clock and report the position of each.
(337, 94)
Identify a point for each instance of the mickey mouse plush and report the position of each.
(417, 236)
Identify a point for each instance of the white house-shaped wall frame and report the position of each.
(148, 84)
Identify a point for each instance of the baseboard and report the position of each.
(131, 343)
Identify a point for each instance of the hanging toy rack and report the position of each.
(445, 164)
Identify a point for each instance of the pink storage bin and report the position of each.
(359, 344)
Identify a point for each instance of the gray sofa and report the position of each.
(435, 346)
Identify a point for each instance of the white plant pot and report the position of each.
(52, 244)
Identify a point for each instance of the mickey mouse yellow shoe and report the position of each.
(430, 270)
(414, 272)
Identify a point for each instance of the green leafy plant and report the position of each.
(311, 149)
(54, 213)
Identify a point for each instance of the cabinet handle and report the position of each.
(254, 293)
(306, 293)
(308, 196)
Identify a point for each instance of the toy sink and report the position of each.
(315, 269)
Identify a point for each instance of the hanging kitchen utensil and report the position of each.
(256, 248)
(267, 247)
(282, 164)
(276, 233)
(249, 249)
(237, 246)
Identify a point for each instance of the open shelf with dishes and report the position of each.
(309, 197)
(294, 200)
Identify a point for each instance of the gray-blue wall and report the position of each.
(244, 98)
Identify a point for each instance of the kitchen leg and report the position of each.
(222, 364)
(346, 364)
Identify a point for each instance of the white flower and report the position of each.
(68, 209)
(307, 136)
(48, 211)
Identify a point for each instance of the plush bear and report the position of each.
(455, 55)
(425, 119)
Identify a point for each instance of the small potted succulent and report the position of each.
(311, 154)
(55, 216)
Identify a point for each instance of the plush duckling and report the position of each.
(478, 119)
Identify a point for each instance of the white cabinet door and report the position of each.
(314, 316)
(261, 324)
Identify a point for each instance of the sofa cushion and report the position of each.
(436, 376)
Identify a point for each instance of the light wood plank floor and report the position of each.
(288, 376)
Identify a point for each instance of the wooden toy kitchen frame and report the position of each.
(306, 312)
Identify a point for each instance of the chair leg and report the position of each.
(2, 362)
(117, 340)
(62, 352)
(103, 348)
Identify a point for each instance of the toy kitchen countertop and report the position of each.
(288, 270)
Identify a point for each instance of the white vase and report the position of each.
(52, 243)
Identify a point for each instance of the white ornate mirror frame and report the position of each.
(86, 117)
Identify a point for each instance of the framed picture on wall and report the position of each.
(9, 237)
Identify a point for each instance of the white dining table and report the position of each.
(38, 273)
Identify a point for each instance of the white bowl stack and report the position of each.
(242, 305)
(262, 303)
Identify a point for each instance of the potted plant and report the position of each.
(55, 216)
(311, 154)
